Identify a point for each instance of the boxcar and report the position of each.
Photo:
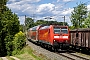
(80, 38)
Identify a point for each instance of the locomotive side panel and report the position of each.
(44, 35)
(51, 31)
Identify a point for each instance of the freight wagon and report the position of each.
(80, 39)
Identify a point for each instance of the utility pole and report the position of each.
(25, 23)
(64, 21)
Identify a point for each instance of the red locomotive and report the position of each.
(55, 36)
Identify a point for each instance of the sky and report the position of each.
(41, 9)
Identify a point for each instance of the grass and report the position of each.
(25, 56)
(1, 59)
(28, 54)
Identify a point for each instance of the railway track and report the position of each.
(69, 55)
(72, 56)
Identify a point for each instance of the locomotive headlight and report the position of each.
(56, 36)
(54, 40)
(65, 36)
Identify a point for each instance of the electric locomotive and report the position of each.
(55, 36)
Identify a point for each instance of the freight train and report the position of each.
(53, 36)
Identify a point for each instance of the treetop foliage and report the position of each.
(79, 15)
(87, 21)
(30, 22)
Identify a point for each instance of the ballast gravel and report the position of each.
(50, 55)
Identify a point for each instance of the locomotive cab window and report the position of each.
(64, 30)
(56, 30)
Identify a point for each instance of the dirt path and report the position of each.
(14, 58)
(4, 58)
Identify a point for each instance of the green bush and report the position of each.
(18, 42)
(9, 44)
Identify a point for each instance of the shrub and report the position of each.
(18, 42)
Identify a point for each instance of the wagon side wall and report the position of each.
(82, 40)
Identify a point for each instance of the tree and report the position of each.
(9, 26)
(2, 5)
(29, 23)
(38, 22)
(52, 22)
(79, 15)
(87, 21)
(2, 8)
(21, 28)
(61, 23)
(3, 2)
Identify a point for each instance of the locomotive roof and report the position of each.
(81, 30)
(44, 27)
(51, 24)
